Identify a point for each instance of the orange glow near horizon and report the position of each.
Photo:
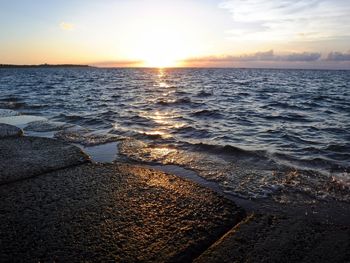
(159, 62)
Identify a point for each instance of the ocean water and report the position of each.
(253, 132)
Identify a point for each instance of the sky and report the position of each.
(193, 33)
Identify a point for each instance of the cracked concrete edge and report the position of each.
(7, 130)
(26, 157)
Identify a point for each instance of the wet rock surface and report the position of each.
(271, 238)
(7, 130)
(25, 157)
(115, 212)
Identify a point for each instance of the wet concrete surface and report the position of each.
(270, 238)
(25, 157)
(110, 212)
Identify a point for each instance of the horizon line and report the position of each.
(92, 65)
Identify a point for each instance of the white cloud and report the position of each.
(289, 19)
(66, 26)
(259, 10)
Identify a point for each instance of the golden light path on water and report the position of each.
(165, 119)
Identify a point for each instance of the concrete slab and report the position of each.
(25, 157)
(110, 213)
(267, 238)
(7, 130)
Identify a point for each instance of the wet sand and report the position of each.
(58, 205)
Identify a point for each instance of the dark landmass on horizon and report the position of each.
(44, 66)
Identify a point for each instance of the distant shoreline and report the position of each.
(44, 66)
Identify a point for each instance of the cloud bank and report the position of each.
(262, 56)
(268, 59)
(338, 56)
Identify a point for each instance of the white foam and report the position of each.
(8, 113)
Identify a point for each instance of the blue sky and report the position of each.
(252, 33)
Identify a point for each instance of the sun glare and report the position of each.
(162, 51)
(160, 45)
(157, 62)
(156, 36)
(157, 54)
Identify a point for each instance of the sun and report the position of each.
(160, 50)
(160, 47)
(160, 40)
(159, 62)
(160, 59)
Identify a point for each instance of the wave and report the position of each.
(12, 103)
(69, 117)
(204, 93)
(282, 105)
(313, 162)
(94, 122)
(228, 150)
(11, 99)
(207, 113)
(339, 148)
(297, 139)
(292, 117)
(166, 102)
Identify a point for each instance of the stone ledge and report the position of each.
(269, 238)
(7, 130)
(117, 212)
(25, 157)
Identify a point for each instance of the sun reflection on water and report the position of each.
(164, 120)
(161, 73)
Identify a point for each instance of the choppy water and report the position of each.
(252, 131)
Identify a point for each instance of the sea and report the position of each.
(253, 133)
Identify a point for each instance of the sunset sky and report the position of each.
(208, 33)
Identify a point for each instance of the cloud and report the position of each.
(66, 26)
(261, 10)
(288, 19)
(338, 56)
(302, 57)
(258, 56)
(118, 63)
(262, 56)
